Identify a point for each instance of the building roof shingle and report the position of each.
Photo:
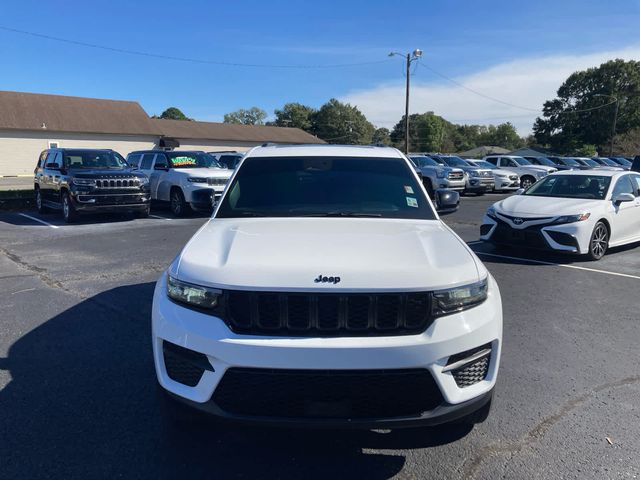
(58, 113)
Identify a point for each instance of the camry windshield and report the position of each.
(521, 161)
(425, 162)
(93, 159)
(325, 187)
(571, 186)
(191, 160)
(455, 161)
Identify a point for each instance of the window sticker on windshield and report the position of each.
(183, 161)
(412, 202)
(408, 189)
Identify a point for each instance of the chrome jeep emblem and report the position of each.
(324, 279)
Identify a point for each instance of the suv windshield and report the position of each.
(543, 161)
(325, 187)
(424, 161)
(93, 159)
(570, 162)
(191, 160)
(521, 161)
(454, 161)
(571, 186)
(483, 164)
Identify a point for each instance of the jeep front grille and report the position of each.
(326, 314)
(216, 181)
(118, 183)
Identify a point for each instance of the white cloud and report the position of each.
(523, 82)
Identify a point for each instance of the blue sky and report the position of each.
(497, 48)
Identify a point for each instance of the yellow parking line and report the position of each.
(575, 267)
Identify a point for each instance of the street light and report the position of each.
(615, 119)
(416, 54)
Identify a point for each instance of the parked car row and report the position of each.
(76, 181)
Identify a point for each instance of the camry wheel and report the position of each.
(526, 182)
(179, 207)
(599, 242)
(68, 210)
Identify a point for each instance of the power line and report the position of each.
(186, 59)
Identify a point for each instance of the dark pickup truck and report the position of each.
(88, 181)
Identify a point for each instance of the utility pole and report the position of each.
(410, 57)
(613, 131)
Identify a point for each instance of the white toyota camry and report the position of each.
(583, 212)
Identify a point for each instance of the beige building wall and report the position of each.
(20, 149)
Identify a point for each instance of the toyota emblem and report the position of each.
(518, 221)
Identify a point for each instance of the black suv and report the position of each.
(85, 180)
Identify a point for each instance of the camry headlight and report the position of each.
(197, 180)
(190, 294)
(572, 218)
(491, 213)
(457, 299)
(90, 182)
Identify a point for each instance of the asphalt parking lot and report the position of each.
(78, 393)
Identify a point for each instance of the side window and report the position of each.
(509, 163)
(58, 160)
(493, 160)
(161, 160)
(134, 159)
(147, 160)
(623, 185)
(635, 179)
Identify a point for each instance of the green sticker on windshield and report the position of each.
(183, 161)
(412, 202)
(408, 189)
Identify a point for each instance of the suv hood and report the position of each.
(289, 253)
(545, 206)
(205, 172)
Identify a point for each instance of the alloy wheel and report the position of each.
(599, 241)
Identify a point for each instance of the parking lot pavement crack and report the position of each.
(533, 436)
(38, 271)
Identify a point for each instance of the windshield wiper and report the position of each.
(341, 214)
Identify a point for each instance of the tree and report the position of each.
(584, 109)
(252, 116)
(294, 115)
(503, 135)
(627, 144)
(427, 133)
(337, 122)
(173, 113)
(381, 136)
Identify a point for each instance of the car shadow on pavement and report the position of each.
(82, 403)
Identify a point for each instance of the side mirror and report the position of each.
(52, 166)
(624, 197)
(519, 191)
(161, 167)
(447, 201)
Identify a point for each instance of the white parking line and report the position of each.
(575, 267)
(161, 218)
(38, 220)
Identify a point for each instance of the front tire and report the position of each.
(39, 203)
(179, 207)
(599, 241)
(68, 210)
(526, 182)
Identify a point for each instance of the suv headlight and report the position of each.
(143, 181)
(87, 182)
(197, 180)
(541, 174)
(190, 294)
(441, 173)
(474, 173)
(453, 300)
(572, 218)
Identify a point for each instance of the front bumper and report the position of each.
(479, 184)
(429, 350)
(450, 184)
(503, 184)
(566, 238)
(89, 202)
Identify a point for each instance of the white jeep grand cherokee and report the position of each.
(326, 291)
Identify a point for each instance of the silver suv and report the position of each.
(478, 180)
(529, 173)
(436, 176)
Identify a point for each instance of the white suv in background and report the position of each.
(337, 298)
(528, 172)
(187, 180)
